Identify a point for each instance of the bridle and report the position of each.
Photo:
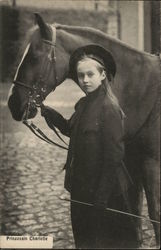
(37, 92)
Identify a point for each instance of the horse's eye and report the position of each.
(35, 48)
(35, 54)
(33, 57)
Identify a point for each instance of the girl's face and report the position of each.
(89, 76)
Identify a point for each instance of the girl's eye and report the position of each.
(90, 74)
(81, 75)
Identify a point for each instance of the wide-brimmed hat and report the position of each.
(94, 52)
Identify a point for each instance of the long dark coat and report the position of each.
(95, 173)
(94, 167)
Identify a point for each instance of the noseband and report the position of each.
(37, 92)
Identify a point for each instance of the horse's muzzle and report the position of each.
(18, 113)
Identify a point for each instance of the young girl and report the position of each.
(95, 173)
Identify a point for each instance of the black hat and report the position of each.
(95, 52)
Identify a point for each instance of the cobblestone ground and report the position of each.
(32, 183)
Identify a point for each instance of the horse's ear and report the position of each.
(44, 28)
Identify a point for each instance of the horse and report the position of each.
(44, 66)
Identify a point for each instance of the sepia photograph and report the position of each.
(80, 85)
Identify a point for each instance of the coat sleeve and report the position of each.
(54, 118)
(113, 153)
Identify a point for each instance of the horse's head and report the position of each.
(38, 72)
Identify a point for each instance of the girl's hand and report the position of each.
(51, 115)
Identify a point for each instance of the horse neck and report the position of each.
(72, 37)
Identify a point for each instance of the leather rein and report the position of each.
(36, 94)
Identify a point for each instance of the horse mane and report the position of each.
(82, 29)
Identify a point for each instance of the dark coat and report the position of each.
(94, 167)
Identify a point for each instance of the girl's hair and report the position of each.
(106, 82)
(112, 96)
